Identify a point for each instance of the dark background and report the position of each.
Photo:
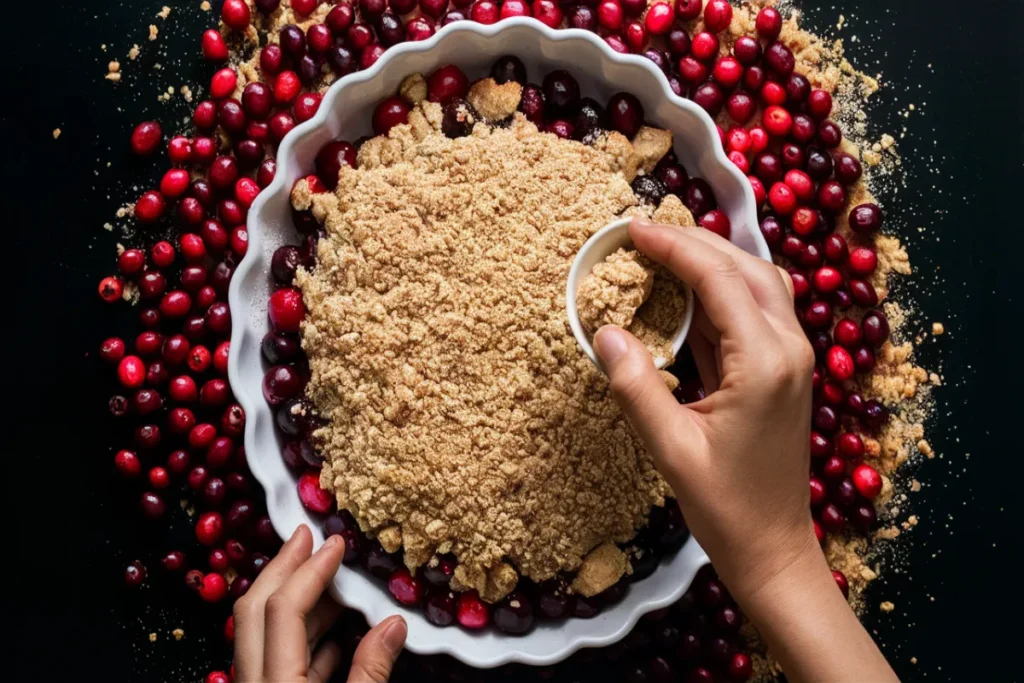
(954, 580)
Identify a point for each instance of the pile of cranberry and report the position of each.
(188, 434)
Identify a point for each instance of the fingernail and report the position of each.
(610, 344)
(641, 222)
(394, 635)
(332, 541)
(295, 534)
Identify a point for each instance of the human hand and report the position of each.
(737, 460)
(280, 622)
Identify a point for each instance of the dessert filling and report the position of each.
(460, 414)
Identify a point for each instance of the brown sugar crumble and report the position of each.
(628, 290)
(460, 408)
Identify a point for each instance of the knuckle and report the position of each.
(372, 671)
(243, 609)
(277, 604)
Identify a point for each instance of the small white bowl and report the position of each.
(345, 113)
(605, 241)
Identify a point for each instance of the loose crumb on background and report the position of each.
(56, 133)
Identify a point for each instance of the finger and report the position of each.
(640, 392)
(284, 649)
(714, 275)
(787, 282)
(250, 609)
(378, 651)
(321, 619)
(326, 660)
(761, 276)
(704, 357)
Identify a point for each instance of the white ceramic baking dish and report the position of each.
(345, 113)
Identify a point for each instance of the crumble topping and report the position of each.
(461, 414)
(628, 290)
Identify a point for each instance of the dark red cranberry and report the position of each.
(832, 518)
(381, 563)
(134, 574)
(562, 92)
(532, 103)
(514, 614)
(864, 517)
(830, 134)
(848, 169)
(390, 29)
(507, 69)
(585, 608)
(844, 494)
(281, 383)
(709, 97)
(284, 263)
(863, 293)
(434, 8)
(389, 113)
(875, 327)
(438, 571)
(440, 607)
(866, 218)
(747, 50)
(457, 119)
(780, 59)
(553, 599)
(698, 196)
(280, 348)
(826, 419)
(875, 415)
(153, 506)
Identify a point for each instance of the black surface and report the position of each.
(955, 586)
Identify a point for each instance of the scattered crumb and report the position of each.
(887, 606)
(152, 637)
(913, 660)
(164, 12)
(186, 92)
(205, 6)
(56, 133)
(108, 227)
(938, 328)
(153, 32)
(178, 633)
(134, 52)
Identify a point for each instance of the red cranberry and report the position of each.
(818, 492)
(286, 310)
(863, 261)
(111, 288)
(864, 359)
(831, 196)
(112, 349)
(134, 574)
(471, 611)
(868, 481)
(146, 138)
(433, 8)
(213, 587)
(484, 12)
(850, 446)
(840, 363)
(235, 14)
(833, 469)
(692, 70)
(391, 112)
(183, 389)
(150, 207)
(209, 527)
(314, 498)
(331, 158)
(782, 199)
(740, 107)
(127, 463)
(281, 383)
(717, 222)
(754, 78)
(610, 14)
(769, 23)
(773, 94)
(405, 588)
(821, 445)
(215, 393)
(153, 506)
(841, 582)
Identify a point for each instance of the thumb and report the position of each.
(378, 651)
(640, 391)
